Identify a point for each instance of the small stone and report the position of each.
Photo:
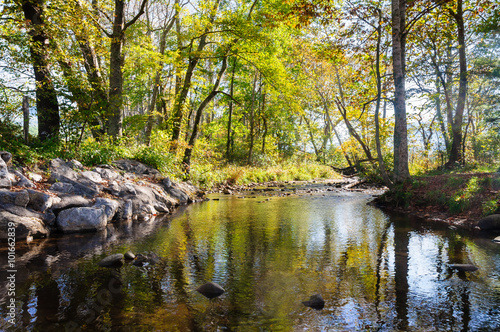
(115, 260)
(210, 290)
(129, 255)
(464, 267)
(497, 239)
(315, 301)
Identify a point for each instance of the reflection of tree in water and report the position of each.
(401, 241)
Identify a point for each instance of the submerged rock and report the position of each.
(210, 290)
(464, 267)
(490, 222)
(315, 302)
(115, 260)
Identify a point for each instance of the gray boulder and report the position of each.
(127, 211)
(5, 181)
(110, 206)
(107, 174)
(60, 171)
(6, 157)
(66, 188)
(115, 260)
(70, 201)
(23, 180)
(19, 198)
(91, 176)
(23, 226)
(75, 164)
(40, 201)
(48, 217)
(490, 222)
(137, 168)
(82, 219)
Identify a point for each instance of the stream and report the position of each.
(270, 249)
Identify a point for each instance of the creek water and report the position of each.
(375, 272)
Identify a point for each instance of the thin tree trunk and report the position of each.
(47, 105)
(230, 116)
(252, 120)
(381, 163)
(180, 99)
(156, 86)
(401, 169)
(186, 162)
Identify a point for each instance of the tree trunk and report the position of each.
(186, 162)
(180, 99)
(252, 120)
(456, 127)
(381, 163)
(156, 86)
(230, 116)
(401, 170)
(116, 60)
(46, 97)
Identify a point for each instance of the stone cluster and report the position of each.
(71, 198)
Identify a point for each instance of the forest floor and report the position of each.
(460, 200)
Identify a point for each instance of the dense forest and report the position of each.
(392, 88)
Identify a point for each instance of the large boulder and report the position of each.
(19, 198)
(491, 222)
(70, 201)
(48, 217)
(82, 219)
(60, 171)
(110, 206)
(23, 226)
(22, 181)
(40, 201)
(5, 181)
(136, 167)
(107, 173)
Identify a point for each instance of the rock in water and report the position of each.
(115, 260)
(464, 267)
(315, 302)
(129, 255)
(210, 290)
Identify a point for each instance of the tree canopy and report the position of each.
(396, 87)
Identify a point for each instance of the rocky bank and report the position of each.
(67, 197)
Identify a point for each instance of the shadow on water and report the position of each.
(375, 272)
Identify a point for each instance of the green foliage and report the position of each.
(155, 156)
(104, 151)
(490, 207)
(461, 200)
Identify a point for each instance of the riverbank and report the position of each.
(70, 198)
(460, 200)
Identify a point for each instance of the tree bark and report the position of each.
(401, 170)
(381, 162)
(116, 60)
(230, 116)
(456, 155)
(47, 105)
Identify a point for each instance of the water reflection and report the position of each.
(374, 272)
